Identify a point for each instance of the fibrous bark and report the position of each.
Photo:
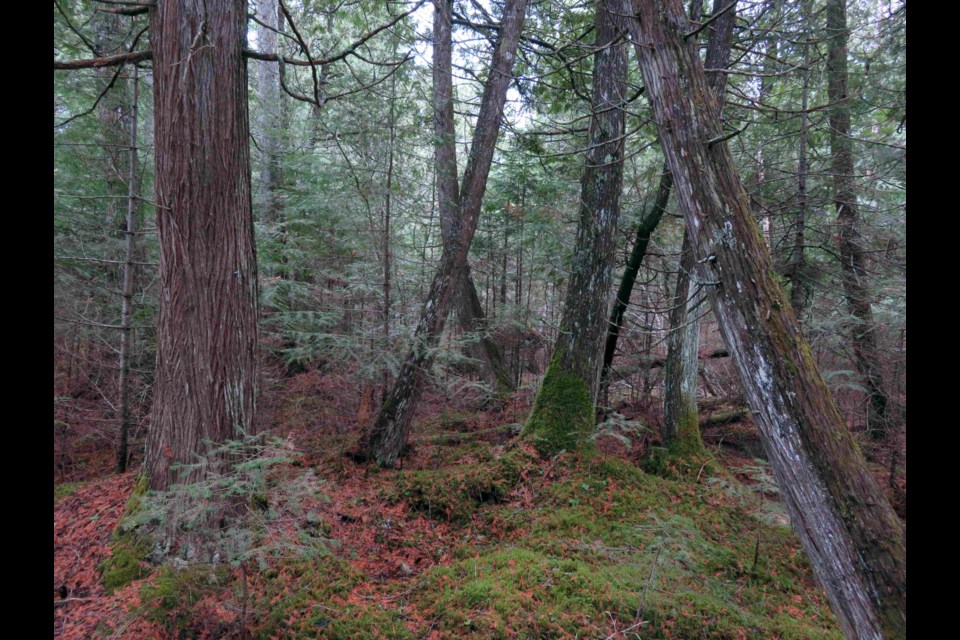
(853, 275)
(207, 330)
(853, 538)
(680, 419)
(563, 414)
(388, 434)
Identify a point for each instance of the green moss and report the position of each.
(688, 441)
(610, 543)
(125, 564)
(685, 457)
(455, 493)
(453, 420)
(307, 598)
(374, 621)
(128, 548)
(169, 599)
(563, 416)
(64, 490)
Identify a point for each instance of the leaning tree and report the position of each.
(853, 538)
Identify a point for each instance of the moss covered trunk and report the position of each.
(852, 536)
(563, 412)
(387, 436)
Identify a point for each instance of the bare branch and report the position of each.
(134, 11)
(707, 22)
(351, 50)
(105, 61)
(77, 32)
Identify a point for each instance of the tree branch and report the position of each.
(105, 61)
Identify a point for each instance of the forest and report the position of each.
(529, 319)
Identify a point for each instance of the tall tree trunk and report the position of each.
(681, 421)
(853, 275)
(109, 31)
(622, 301)
(129, 275)
(206, 371)
(268, 90)
(853, 538)
(563, 415)
(388, 434)
(799, 287)
(387, 214)
(466, 302)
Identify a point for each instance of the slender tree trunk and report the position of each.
(622, 301)
(853, 538)
(681, 430)
(389, 433)
(564, 415)
(853, 275)
(206, 371)
(129, 276)
(109, 31)
(799, 287)
(387, 213)
(268, 89)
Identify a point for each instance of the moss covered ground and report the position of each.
(477, 536)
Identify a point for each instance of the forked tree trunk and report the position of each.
(853, 274)
(207, 330)
(388, 434)
(466, 302)
(853, 538)
(681, 430)
(564, 415)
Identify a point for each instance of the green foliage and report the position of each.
(231, 516)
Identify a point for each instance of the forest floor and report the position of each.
(473, 537)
